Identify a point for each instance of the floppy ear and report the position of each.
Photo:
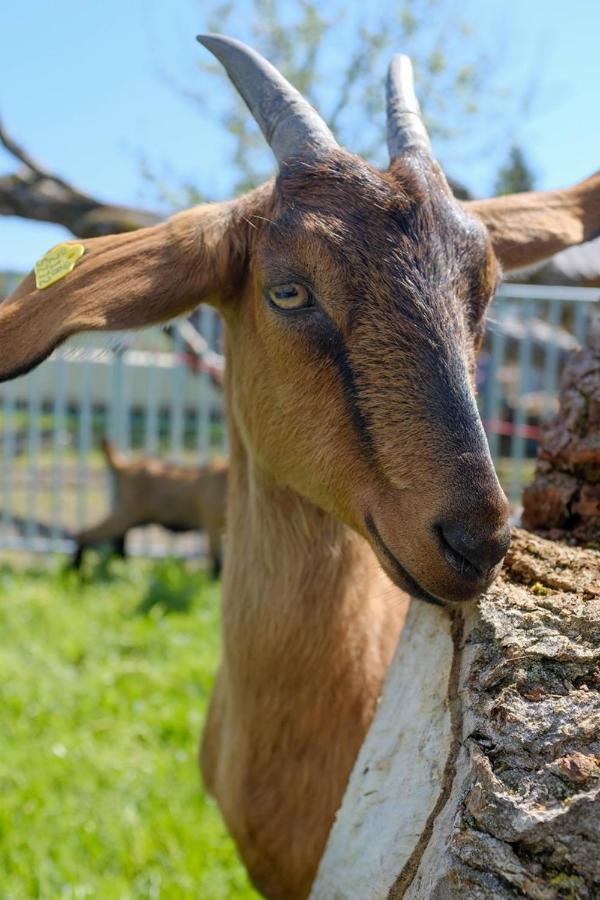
(129, 280)
(527, 228)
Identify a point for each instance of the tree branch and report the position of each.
(35, 193)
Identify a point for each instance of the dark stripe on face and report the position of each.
(448, 401)
(332, 345)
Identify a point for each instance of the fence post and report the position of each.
(84, 436)
(8, 453)
(58, 446)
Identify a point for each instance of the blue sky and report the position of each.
(82, 88)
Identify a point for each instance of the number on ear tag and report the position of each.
(57, 263)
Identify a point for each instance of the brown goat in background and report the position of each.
(153, 492)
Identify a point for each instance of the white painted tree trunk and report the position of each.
(480, 776)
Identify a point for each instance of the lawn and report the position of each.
(103, 689)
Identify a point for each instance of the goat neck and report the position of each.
(310, 623)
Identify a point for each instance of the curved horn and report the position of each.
(405, 127)
(288, 122)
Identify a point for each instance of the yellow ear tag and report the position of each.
(57, 263)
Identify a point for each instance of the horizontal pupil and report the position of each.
(286, 293)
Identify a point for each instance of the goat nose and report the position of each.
(473, 555)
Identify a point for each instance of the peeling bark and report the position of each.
(512, 800)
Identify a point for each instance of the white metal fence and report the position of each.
(147, 392)
(147, 395)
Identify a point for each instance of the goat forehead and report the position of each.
(345, 209)
(390, 251)
(344, 186)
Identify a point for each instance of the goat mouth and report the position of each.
(398, 573)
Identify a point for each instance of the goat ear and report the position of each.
(527, 228)
(126, 281)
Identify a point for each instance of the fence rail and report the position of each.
(148, 392)
(155, 394)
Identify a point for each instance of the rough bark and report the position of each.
(563, 502)
(510, 806)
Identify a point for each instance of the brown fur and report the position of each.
(150, 491)
(353, 432)
(526, 228)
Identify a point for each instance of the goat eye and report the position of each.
(290, 296)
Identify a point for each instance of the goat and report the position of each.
(354, 304)
(149, 491)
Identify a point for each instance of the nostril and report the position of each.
(456, 551)
(472, 555)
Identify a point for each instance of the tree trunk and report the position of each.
(563, 501)
(480, 776)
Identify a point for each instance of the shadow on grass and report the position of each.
(171, 588)
(165, 586)
(103, 571)
(97, 567)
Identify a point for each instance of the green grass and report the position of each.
(103, 690)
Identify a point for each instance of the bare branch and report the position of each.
(23, 156)
(35, 193)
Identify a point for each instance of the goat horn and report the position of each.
(289, 123)
(405, 127)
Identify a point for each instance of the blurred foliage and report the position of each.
(169, 590)
(515, 175)
(337, 55)
(100, 713)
